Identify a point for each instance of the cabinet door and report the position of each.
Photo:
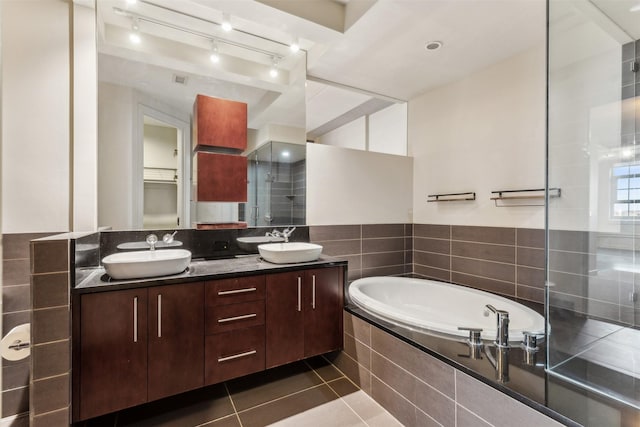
(284, 318)
(176, 339)
(323, 301)
(221, 177)
(219, 123)
(113, 348)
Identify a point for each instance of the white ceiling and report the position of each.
(383, 51)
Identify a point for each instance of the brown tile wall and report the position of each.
(371, 249)
(584, 276)
(16, 301)
(507, 261)
(420, 390)
(50, 333)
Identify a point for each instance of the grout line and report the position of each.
(335, 392)
(233, 405)
(278, 398)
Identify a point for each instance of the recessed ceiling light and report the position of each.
(285, 154)
(433, 45)
(295, 45)
(635, 8)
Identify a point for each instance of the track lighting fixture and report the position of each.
(226, 22)
(134, 36)
(273, 72)
(215, 56)
(295, 45)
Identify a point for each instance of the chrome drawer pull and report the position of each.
(135, 319)
(237, 291)
(159, 315)
(231, 319)
(236, 356)
(299, 307)
(313, 300)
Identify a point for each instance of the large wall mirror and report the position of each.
(154, 57)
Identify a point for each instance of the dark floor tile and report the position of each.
(230, 421)
(103, 421)
(185, 410)
(263, 387)
(324, 369)
(289, 406)
(343, 386)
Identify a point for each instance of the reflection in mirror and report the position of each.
(276, 185)
(154, 58)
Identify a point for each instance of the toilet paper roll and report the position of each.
(16, 344)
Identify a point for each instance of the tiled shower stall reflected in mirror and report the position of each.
(276, 193)
(594, 230)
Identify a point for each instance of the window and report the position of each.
(626, 191)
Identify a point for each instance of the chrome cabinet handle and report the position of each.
(237, 291)
(231, 319)
(159, 315)
(135, 319)
(236, 356)
(313, 288)
(299, 293)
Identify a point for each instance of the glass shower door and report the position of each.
(594, 229)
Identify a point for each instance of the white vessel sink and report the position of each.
(141, 264)
(250, 243)
(288, 253)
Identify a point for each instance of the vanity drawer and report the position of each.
(233, 291)
(234, 354)
(233, 316)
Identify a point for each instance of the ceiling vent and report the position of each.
(181, 80)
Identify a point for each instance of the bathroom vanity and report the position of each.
(139, 341)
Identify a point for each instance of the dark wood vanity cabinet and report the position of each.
(235, 328)
(113, 349)
(176, 327)
(139, 345)
(304, 314)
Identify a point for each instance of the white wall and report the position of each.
(352, 135)
(347, 186)
(35, 124)
(483, 133)
(388, 130)
(85, 116)
(115, 126)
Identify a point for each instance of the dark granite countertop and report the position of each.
(94, 279)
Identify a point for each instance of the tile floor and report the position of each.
(309, 393)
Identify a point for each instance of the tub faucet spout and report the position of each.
(502, 333)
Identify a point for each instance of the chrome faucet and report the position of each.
(284, 233)
(151, 240)
(168, 238)
(502, 322)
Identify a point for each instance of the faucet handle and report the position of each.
(474, 335)
(151, 240)
(530, 341)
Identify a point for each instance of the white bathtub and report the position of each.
(440, 307)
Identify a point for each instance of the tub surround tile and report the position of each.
(393, 402)
(382, 259)
(499, 235)
(393, 376)
(357, 350)
(528, 276)
(432, 260)
(530, 294)
(489, 252)
(357, 373)
(431, 273)
(434, 231)
(495, 407)
(530, 237)
(467, 419)
(357, 328)
(341, 247)
(393, 270)
(488, 269)
(391, 244)
(435, 404)
(484, 284)
(531, 257)
(382, 230)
